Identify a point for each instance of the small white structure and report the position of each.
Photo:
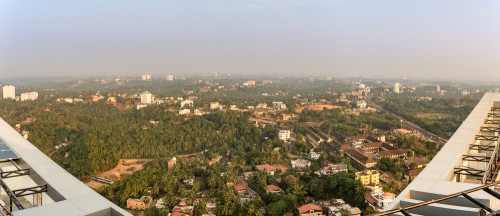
(184, 111)
(362, 104)
(140, 106)
(284, 135)
(249, 83)
(380, 201)
(214, 105)
(160, 204)
(314, 155)
(61, 145)
(300, 163)
(199, 112)
(170, 77)
(279, 105)
(186, 103)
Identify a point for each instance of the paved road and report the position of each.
(409, 124)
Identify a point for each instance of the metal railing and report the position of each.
(465, 193)
(4, 211)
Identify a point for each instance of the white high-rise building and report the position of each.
(9, 92)
(146, 98)
(170, 77)
(146, 77)
(396, 88)
(29, 96)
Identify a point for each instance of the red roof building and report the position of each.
(240, 190)
(360, 158)
(310, 209)
(273, 189)
(372, 202)
(399, 153)
(344, 148)
(172, 162)
(240, 187)
(412, 174)
(176, 213)
(266, 167)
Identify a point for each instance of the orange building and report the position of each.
(143, 203)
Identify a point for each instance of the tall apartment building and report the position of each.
(396, 88)
(9, 92)
(146, 77)
(146, 98)
(170, 77)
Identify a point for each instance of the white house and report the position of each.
(314, 155)
(300, 163)
(362, 104)
(214, 105)
(184, 111)
(186, 103)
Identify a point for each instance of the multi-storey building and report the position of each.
(368, 177)
(284, 134)
(146, 98)
(146, 77)
(397, 88)
(9, 92)
(29, 96)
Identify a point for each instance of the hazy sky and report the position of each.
(452, 39)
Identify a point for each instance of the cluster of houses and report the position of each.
(366, 150)
(183, 209)
(333, 207)
(245, 193)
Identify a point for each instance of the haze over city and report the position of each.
(249, 108)
(424, 39)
